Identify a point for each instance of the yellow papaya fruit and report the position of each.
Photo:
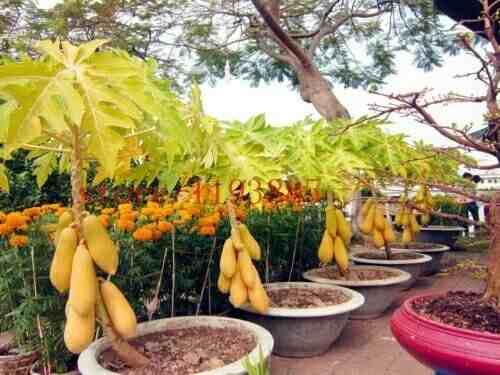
(64, 220)
(368, 223)
(258, 297)
(378, 239)
(420, 195)
(366, 206)
(120, 312)
(246, 269)
(415, 228)
(101, 247)
(341, 257)
(238, 293)
(331, 220)
(237, 241)
(388, 233)
(60, 268)
(83, 286)
(223, 283)
(397, 219)
(379, 218)
(228, 259)
(79, 330)
(425, 219)
(249, 242)
(405, 218)
(343, 227)
(407, 236)
(326, 250)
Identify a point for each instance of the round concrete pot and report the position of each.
(413, 266)
(442, 234)
(436, 251)
(305, 332)
(88, 365)
(379, 294)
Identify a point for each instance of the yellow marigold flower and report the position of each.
(143, 234)
(15, 220)
(125, 207)
(150, 226)
(18, 240)
(148, 211)
(152, 204)
(125, 225)
(54, 206)
(167, 211)
(108, 211)
(165, 226)
(5, 229)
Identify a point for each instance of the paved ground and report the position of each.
(367, 347)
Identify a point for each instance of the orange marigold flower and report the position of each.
(207, 230)
(167, 211)
(130, 216)
(125, 207)
(23, 227)
(165, 226)
(125, 225)
(3, 216)
(207, 220)
(15, 220)
(18, 240)
(143, 234)
(108, 211)
(32, 212)
(156, 234)
(104, 219)
(5, 229)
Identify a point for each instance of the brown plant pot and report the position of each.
(18, 364)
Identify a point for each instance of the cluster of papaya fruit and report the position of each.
(78, 250)
(375, 223)
(238, 276)
(406, 217)
(336, 237)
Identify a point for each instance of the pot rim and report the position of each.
(437, 248)
(443, 228)
(399, 279)
(424, 258)
(88, 358)
(355, 301)
(407, 305)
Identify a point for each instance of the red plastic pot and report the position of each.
(446, 349)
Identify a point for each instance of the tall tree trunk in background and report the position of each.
(493, 281)
(314, 88)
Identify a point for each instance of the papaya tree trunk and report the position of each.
(493, 278)
(126, 352)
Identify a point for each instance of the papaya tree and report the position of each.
(73, 107)
(485, 48)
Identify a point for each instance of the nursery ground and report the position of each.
(368, 347)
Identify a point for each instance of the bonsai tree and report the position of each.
(71, 107)
(417, 105)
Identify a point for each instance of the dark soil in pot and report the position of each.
(185, 351)
(416, 246)
(394, 256)
(302, 298)
(356, 274)
(461, 310)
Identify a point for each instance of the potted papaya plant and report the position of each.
(80, 105)
(456, 332)
(306, 318)
(378, 226)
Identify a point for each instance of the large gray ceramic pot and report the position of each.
(442, 234)
(305, 332)
(379, 294)
(88, 364)
(436, 251)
